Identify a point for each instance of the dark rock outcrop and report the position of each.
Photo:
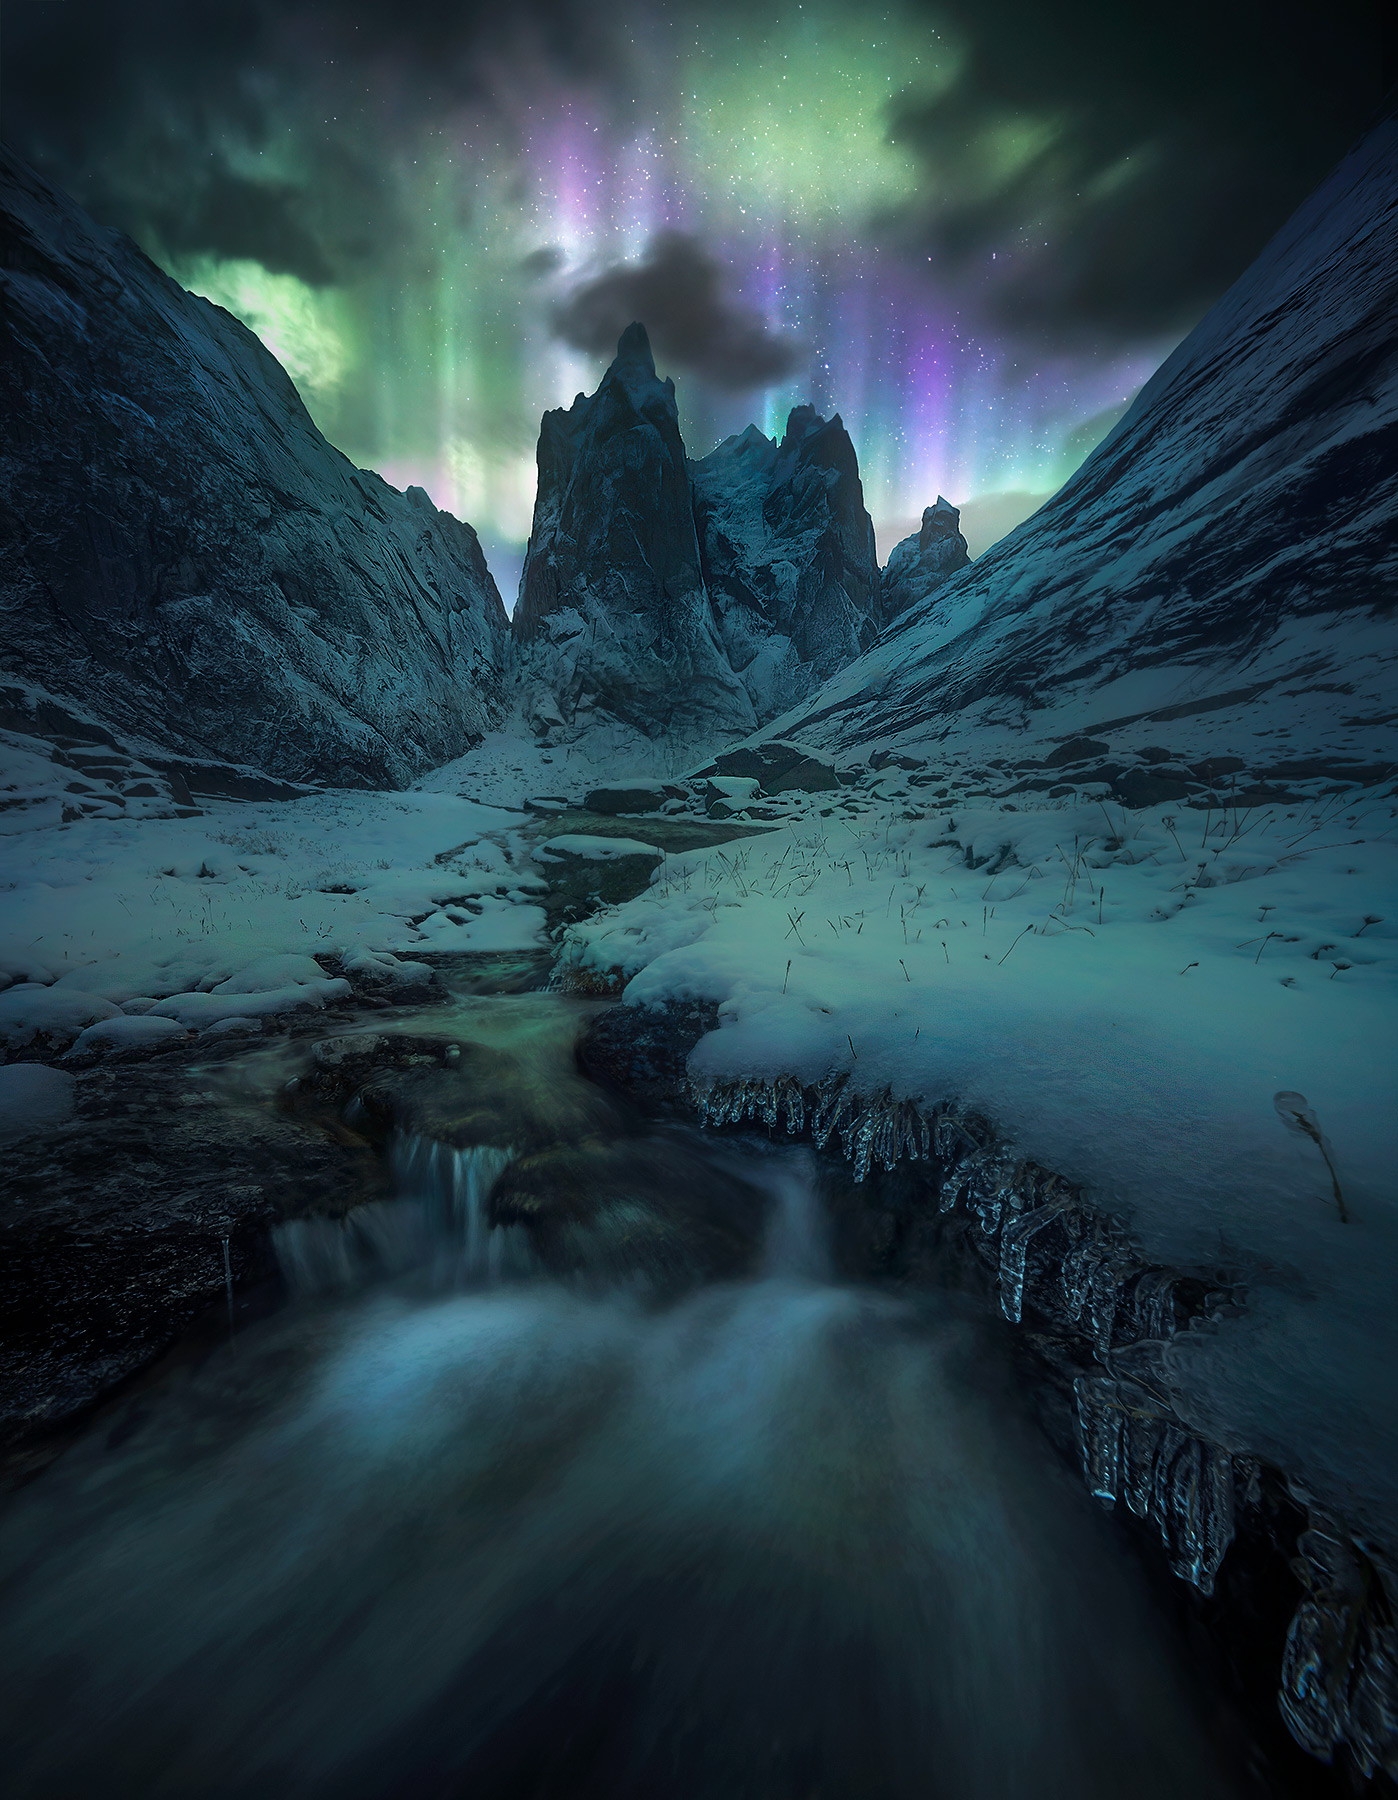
(613, 612)
(184, 555)
(123, 1225)
(781, 768)
(639, 796)
(925, 561)
(788, 556)
(651, 1208)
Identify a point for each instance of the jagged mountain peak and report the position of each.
(813, 441)
(613, 612)
(925, 560)
(788, 555)
(632, 372)
(633, 349)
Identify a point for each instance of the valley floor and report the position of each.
(1124, 993)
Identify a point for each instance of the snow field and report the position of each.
(198, 921)
(1124, 993)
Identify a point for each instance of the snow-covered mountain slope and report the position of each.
(183, 555)
(613, 612)
(1221, 572)
(788, 556)
(925, 561)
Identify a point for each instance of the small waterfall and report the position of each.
(454, 1185)
(798, 1236)
(439, 1220)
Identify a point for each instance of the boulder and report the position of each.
(632, 797)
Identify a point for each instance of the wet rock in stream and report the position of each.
(114, 1226)
(650, 1208)
(643, 1051)
(483, 1098)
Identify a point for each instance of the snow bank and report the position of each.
(129, 1032)
(31, 1010)
(1125, 994)
(121, 911)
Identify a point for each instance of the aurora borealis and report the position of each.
(971, 231)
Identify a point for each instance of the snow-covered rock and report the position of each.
(613, 614)
(31, 1010)
(185, 556)
(129, 1033)
(922, 563)
(788, 556)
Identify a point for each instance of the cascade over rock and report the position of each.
(613, 613)
(788, 556)
(183, 554)
(922, 562)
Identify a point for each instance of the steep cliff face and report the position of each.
(1228, 556)
(925, 561)
(613, 614)
(788, 556)
(185, 556)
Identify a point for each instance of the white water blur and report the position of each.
(797, 1241)
(441, 1219)
(781, 1539)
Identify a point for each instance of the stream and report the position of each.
(576, 1471)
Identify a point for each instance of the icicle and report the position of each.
(1140, 1446)
(1103, 1291)
(1092, 1274)
(1018, 1234)
(1134, 1449)
(1099, 1418)
(1153, 1304)
(1339, 1676)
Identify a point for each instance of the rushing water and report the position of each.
(450, 1527)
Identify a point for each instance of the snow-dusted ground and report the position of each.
(205, 920)
(1125, 993)
(509, 767)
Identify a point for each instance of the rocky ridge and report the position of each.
(689, 601)
(1227, 556)
(788, 556)
(613, 616)
(183, 554)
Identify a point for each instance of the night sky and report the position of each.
(972, 227)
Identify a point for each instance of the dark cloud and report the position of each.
(1145, 153)
(152, 112)
(264, 220)
(547, 260)
(1097, 170)
(677, 293)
